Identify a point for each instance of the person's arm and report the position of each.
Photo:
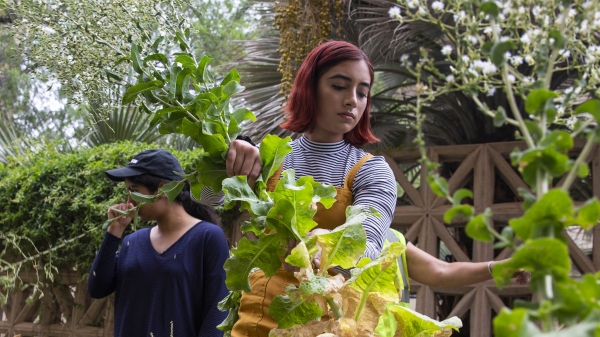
(215, 252)
(374, 185)
(428, 270)
(102, 276)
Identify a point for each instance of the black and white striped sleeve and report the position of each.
(375, 185)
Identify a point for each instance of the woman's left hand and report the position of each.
(523, 276)
(318, 231)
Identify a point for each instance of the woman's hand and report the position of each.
(117, 227)
(243, 159)
(318, 231)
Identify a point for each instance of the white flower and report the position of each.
(516, 60)
(422, 10)
(527, 80)
(525, 39)
(489, 68)
(564, 53)
(488, 31)
(450, 79)
(511, 78)
(447, 50)
(537, 10)
(394, 12)
(572, 13)
(465, 59)
(473, 39)
(560, 110)
(536, 32)
(437, 6)
(584, 26)
(478, 65)
(521, 10)
(530, 60)
(586, 4)
(568, 90)
(460, 16)
(404, 60)
(412, 4)
(491, 92)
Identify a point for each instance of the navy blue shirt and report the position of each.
(180, 287)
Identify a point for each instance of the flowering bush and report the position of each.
(521, 51)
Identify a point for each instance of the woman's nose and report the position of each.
(351, 101)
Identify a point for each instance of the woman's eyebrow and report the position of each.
(346, 78)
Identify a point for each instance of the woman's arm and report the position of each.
(215, 251)
(375, 186)
(102, 276)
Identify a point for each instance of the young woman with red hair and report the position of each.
(329, 105)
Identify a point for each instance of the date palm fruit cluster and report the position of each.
(303, 25)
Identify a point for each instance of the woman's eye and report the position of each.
(362, 94)
(337, 87)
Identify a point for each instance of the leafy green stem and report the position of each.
(582, 156)
(336, 309)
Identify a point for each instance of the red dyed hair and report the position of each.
(302, 103)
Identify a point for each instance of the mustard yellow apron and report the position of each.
(254, 320)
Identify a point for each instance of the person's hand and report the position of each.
(117, 227)
(523, 276)
(243, 159)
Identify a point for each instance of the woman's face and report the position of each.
(341, 100)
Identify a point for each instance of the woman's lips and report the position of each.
(346, 115)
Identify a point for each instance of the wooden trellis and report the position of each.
(67, 310)
(478, 167)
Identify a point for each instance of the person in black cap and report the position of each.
(167, 278)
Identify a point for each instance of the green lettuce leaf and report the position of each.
(412, 323)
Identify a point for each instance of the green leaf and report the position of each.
(187, 62)
(539, 256)
(273, 150)
(248, 255)
(231, 89)
(183, 44)
(460, 194)
(132, 92)
(345, 244)
(560, 40)
(560, 140)
(299, 256)
(202, 74)
(592, 107)
(289, 312)
(211, 173)
(214, 145)
(490, 8)
(438, 185)
(377, 276)
(508, 233)
(500, 117)
(110, 74)
(230, 303)
(157, 57)
(583, 170)
(499, 49)
(173, 74)
(232, 76)
(514, 323)
(136, 59)
(237, 189)
(182, 83)
(322, 193)
(157, 43)
(172, 189)
(242, 115)
(528, 198)
(588, 215)
(478, 227)
(464, 210)
(536, 100)
(534, 129)
(162, 115)
(142, 197)
(552, 212)
(412, 323)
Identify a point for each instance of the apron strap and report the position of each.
(349, 181)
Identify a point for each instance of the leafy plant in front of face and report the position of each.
(518, 47)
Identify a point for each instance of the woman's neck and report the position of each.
(175, 220)
(324, 137)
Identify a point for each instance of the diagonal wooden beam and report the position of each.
(465, 303)
(414, 230)
(90, 316)
(460, 177)
(401, 178)
(510, 177)
(444, 235)
(582, 262)
(494, 300)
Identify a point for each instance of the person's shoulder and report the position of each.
(140, 233)
(207, 228)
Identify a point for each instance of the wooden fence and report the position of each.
(67, 310)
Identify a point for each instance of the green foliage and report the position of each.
(52, 197)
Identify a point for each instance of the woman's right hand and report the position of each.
(243, 159)
(117, 227)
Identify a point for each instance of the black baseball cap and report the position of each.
(157, 162)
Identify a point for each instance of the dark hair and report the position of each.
(301, 106)
(191, 206)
